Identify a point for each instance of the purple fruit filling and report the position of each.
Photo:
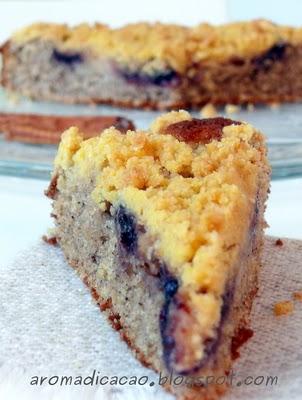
(125, 224)
(267, 59)
(169, 285)
(162, 78)
(68, 59)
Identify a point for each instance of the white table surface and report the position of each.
(24, 212)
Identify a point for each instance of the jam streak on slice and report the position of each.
(126, 228)
(267, 59)
(162, 78)
(199, 130)
(169, 285)
(67, 58)
(178, 326)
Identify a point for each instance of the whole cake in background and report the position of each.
(156, 65)
(166, 228)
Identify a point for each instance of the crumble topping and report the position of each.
(162, 44)
(283, 308)
(208, 111)
(196, 199)
(297, 296)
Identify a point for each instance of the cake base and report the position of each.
(270, 77)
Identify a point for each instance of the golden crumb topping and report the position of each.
(240, 39)
(173, 45)
(283, 308)
(195, 199)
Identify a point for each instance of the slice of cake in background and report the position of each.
(156, 65)
(166, 228)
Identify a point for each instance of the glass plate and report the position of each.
(282, 126)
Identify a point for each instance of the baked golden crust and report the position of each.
(175, 45)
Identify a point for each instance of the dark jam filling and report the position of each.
(162, 78)
(67, 58)
(173, 304)
(169, 285)
(267, 59)
(126, 227)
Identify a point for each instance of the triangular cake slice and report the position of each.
(166, 227)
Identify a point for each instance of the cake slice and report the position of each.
(156, 65)
(166, 228)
